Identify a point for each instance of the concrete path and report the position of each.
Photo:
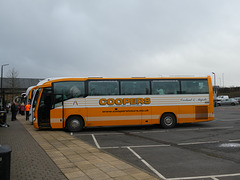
(28, 160)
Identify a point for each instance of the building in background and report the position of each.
(13, 88)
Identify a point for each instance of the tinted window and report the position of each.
(69, 89)
(194, 86)
(99, 88)
(36, 98)
(165, 87)
(45, 105)
(135, 87)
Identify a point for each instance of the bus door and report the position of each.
(31, 108)
(34, 99)
(57, 111)
(44, 108)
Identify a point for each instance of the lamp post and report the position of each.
(2, 99)
(214, 89)
(214, 75)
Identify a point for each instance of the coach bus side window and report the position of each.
(160, 87)
(101, 88)
(69, 89)
(135, 87)
(194, 86)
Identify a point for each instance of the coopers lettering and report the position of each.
(124, 101)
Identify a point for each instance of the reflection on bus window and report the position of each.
(70, 89)
(194, 86)
(58, 101)
(135, 87)
(36, 98)
(99, 88)
(161, 87)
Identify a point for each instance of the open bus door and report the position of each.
(34, 98)
(44, 108)
(57, 111)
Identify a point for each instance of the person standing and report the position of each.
(22, 109)
(8, 107)
(14, 111)
(27, 108)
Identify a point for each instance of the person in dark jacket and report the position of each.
(14, 111)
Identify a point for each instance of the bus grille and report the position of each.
(201, 112)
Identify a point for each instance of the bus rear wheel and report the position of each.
(75, 124)
(168, 120)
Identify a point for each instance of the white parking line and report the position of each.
(226, 127)
(181, 130)
(99, 134)
(164, 145)
(147, 146)
(194, 143)
(95, 140)
(114, 147)
(228, 119)
(141, 146)
(204, 177)
(147, 164)
(234, 140)
(210, 128)
(157, 131)
(158, 145)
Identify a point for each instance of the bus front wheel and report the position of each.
(75, 124)
(168, 120)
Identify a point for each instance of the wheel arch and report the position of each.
(72, 116)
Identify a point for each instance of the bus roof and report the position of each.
(29, 89)
(48, 81)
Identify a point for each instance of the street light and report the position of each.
(2, 99)
(214, 90)
(214, 78)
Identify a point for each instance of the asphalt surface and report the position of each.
(209, 150)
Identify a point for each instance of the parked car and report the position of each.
(238, 99)
(230, 101)
(219, 98)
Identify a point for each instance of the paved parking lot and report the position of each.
(209, 150)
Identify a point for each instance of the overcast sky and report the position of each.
(121, 38)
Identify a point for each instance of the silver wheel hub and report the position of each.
(75, 124)
(168, 121)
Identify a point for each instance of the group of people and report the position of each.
(21, 108)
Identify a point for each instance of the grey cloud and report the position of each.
(120, 38)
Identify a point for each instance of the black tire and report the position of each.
(233, 104)
(218, 104)
(75, 124)
(168, 120)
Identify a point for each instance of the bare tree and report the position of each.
(12, 81)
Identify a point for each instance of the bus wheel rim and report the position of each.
(168, 121)
(75, 124)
